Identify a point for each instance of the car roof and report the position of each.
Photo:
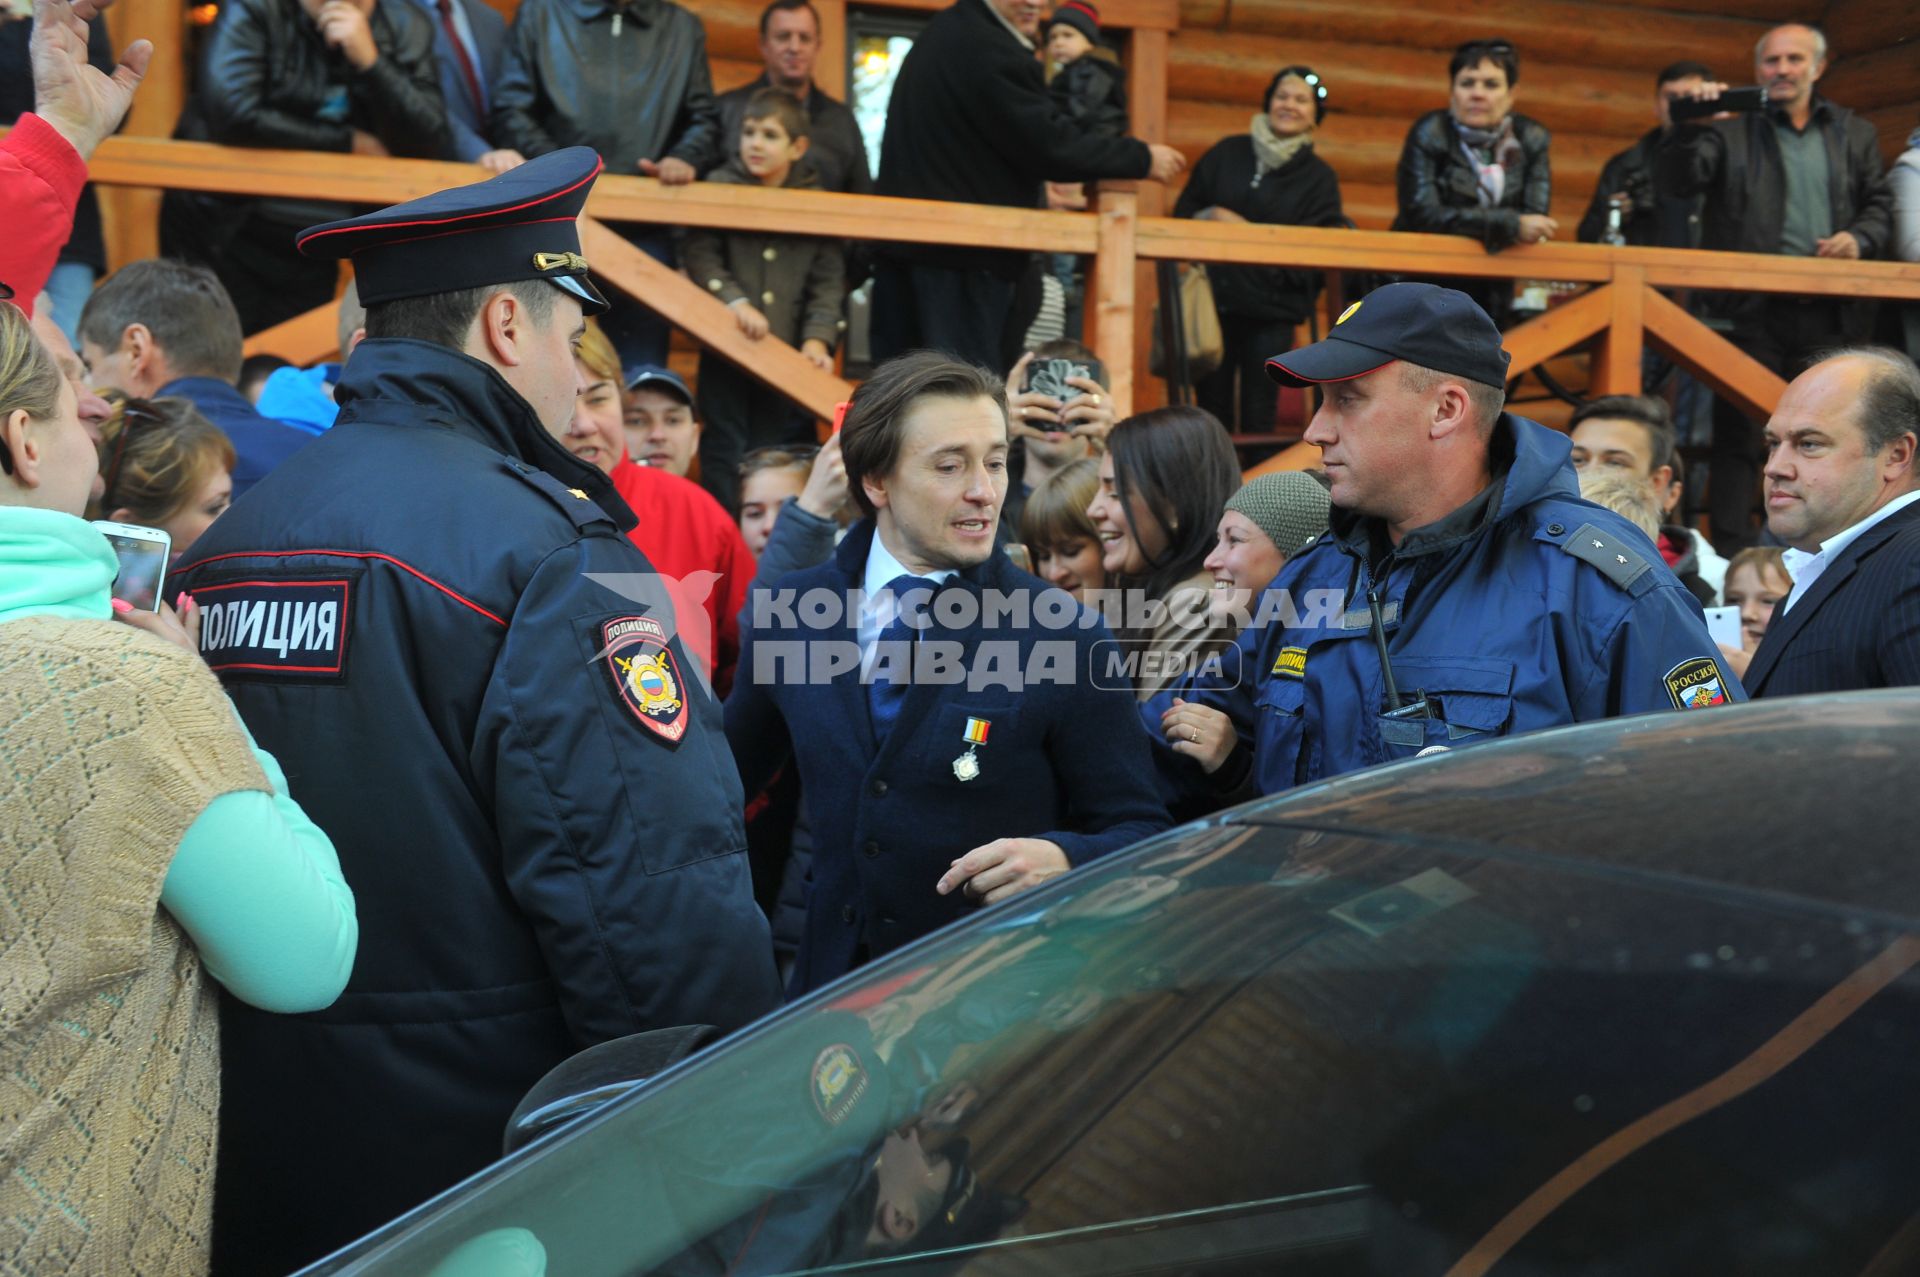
(1794, 797)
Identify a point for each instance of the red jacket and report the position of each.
(683, 530)
(40, 180)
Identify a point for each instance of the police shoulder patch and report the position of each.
(1292, 662)
(838, 1080)
(1618, 560)
(293, 628)
(645, 674)
(1696, 684)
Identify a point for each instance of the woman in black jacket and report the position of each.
(1268, 175)
(1478, 168)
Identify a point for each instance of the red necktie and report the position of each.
(466, 63)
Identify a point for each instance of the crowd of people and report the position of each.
(471, 719)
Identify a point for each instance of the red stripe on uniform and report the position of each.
(455, 595)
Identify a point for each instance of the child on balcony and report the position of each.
(788, 286)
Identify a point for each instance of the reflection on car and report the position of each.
(1634, 997)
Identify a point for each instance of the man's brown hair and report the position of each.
(780, 105)
(870, 435)
(184, 306)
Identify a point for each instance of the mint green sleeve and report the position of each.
(258, 887)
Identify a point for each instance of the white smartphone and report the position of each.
(143, 554)
(1723, 626)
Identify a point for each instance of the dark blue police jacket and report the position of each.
(527, 784)
(1526, 608)
(1063, 759)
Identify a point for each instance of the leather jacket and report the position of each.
(1439, 191)
(268, 79)
(629, 80)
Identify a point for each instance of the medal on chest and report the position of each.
(967, 766)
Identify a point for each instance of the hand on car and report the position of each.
(1002, 868)
(1201, 733)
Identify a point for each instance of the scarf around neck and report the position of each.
(1493, 153)
(1270, 150)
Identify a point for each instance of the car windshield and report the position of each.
(1272, 1049)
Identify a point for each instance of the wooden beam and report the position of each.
(305, 339)
(1729, 371)
(1109, 305)
(131, 218)
(681, 302)
(1616, 356)
(830, 69)
(1531, 344)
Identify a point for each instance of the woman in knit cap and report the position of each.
(1271, 519)
(145, 843)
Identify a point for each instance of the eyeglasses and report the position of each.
(133, 412)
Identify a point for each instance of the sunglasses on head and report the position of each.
(134, 413)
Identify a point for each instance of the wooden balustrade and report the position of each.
(1623, 309)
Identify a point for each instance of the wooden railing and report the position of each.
(1622, 311)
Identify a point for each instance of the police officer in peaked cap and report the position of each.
(1464, 590)
(523, 771)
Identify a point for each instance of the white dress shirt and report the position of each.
(1805, 566)
(878, 610)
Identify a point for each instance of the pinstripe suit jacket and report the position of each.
(1858, 626)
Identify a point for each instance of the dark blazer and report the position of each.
(1859, 624)
(970, 120)
(466, 119)
(1064, 759)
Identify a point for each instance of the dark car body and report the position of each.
(1635, 997)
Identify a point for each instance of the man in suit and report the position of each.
(1842, 491)
(954, 740)
(469, 37)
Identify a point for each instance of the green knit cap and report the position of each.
(1291, 508)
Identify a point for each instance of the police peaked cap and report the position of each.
(1438, 328)
(516, 226)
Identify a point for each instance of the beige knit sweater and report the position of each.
(111, 743)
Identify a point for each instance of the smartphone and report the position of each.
(1723, 626)
(143, 554)
(1049, 377)
(1020, 556)
(1752, 98)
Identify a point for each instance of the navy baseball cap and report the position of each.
(654, 377)
(1438, 328)
(513, 227)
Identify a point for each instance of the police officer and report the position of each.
(1464, 590)
(527, 782)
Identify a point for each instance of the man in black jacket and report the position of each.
(321, 75)
(1843, 492)
(970, 121)
(1647, 217)
(789, 46)
(526, 780)
(1802, 177)
(628, 78)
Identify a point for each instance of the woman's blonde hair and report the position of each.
(156, 455)
(29, 379)
(1762, 559)
(598, 356)
(1056, 512)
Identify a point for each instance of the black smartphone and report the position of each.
(143, 554)
(1747, 99)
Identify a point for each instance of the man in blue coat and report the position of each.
(525, 777)
(953, 742)
(1464, 590)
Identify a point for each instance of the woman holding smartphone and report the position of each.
(166, 467)
(145, 843)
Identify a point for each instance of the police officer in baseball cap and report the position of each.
(523, 773)
(1479, 596)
